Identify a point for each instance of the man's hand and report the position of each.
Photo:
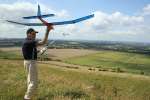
(49, 27)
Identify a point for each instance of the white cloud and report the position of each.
(103, 26)
(116, 26)
(114, 21)
(63, 14)
(16, 11)
(146, 10)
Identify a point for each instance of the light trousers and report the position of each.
(32, 77)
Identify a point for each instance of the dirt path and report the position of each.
(86, 69)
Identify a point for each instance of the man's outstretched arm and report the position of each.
(49, 28)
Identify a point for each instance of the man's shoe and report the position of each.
(26, 98)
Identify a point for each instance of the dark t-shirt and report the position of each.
(29, 49)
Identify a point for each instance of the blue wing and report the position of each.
(42, 16)
(39, 14)
(55, 23)
(26, 24)
(74, 21)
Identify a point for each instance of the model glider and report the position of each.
(45, 23)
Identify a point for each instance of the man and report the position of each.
(29, 51)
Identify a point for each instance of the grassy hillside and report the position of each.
(9, 54)
(62, 84)
(128, 62)
(103, 60)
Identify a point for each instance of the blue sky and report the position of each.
(115, 20)
(79, 7)
(85, 6)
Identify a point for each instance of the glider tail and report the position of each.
(39, 11)
(39, 15)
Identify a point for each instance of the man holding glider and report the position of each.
(29, 50)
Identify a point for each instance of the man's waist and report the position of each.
(30, 60)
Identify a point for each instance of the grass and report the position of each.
(126, 62)
(61, 84)
(10, 55)
(129, 62)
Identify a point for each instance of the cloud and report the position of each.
(104, 26)
(16, 11)
(146, 10)
(115, 21)
(117, 26)
(63, 14)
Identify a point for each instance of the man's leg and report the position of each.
(32, 78)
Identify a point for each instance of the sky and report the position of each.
(114, 20)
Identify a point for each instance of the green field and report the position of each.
(61, 84)
(11, 55)
(127, 62)
(57, 83)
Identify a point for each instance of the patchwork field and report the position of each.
(78, 75)
(111, 60)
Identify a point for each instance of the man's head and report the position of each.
(31, 33)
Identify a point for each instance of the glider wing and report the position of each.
(55, 23)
